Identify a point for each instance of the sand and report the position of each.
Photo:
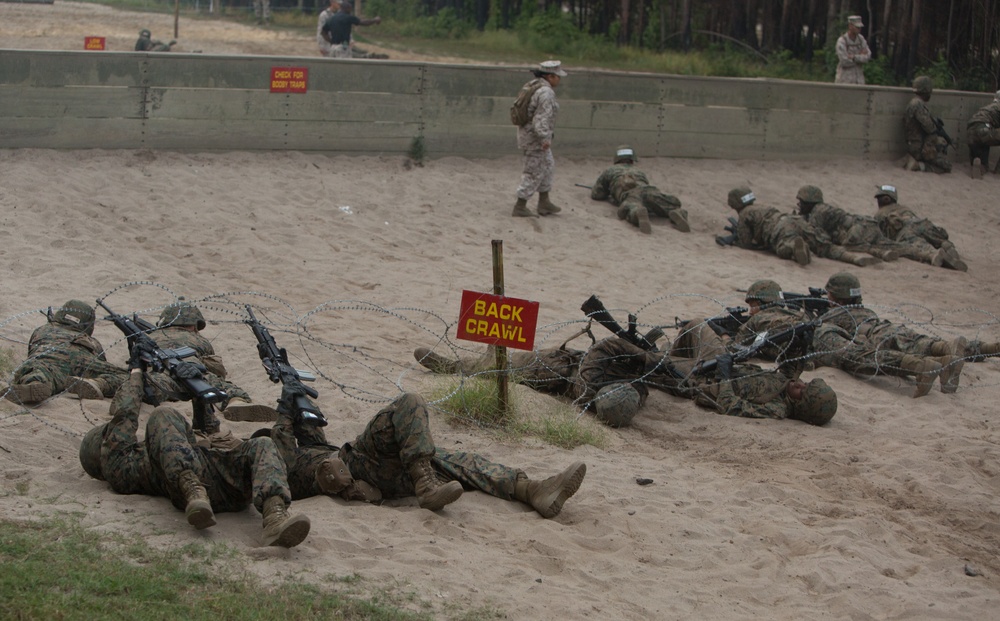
(355, 261)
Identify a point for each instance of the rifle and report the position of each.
(580, 185)
(275, 360)
(944, 134)
(729, 323)
(792, 333)
(728, 240)
(166, 360)
(596, 310)
(815, 302)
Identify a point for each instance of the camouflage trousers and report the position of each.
(539, 170)
(932, 151)
(399, 435)
(782, 241)
(981, 137)
(866, 236)
(262, 9)
(652, 199)
(56, 368)
(859, 357)
(253, 472)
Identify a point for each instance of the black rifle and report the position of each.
(596, 310)
(728, 240)
(171, 361)
(793, 333)
(275, 360)
(815, 302)
(944, 134)
(730, 322)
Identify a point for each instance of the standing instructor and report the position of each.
(535, 139)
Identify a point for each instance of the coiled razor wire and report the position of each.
(386, 375)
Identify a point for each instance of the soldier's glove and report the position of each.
(187, 370)
(142, 353)
(724, 367)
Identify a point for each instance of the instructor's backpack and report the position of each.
(519, 111)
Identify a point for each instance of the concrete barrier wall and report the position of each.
(123, 100)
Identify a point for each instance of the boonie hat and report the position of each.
(552, 66)
(855, 20)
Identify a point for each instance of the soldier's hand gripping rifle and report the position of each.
(728, 240)
(275, 360)
(596, 310)
(801, 332)
(189, 375)
(726, 324)
(944, 134)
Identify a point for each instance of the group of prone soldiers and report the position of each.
(827, 231)
(708, 361)
(394, 457)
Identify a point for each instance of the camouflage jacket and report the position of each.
(616, 181)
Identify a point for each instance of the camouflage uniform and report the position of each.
(922, 141)
(851, 71)
(863, 323)
(766, 228)
(175, 337)
(924, 241)
(770, 318)
(853, 232)
(553, 370)
(861, 357)
(983, 131)
(233, 479)
(395, 438)
(324, 45)
(539, 164)
(262, 10)
(56, 354)
(627, 187)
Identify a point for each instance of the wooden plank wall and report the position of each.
(126, 100)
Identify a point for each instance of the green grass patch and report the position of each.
(475, 401)
(59, 570)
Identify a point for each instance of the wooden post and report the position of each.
(177, 15)
(501, 351)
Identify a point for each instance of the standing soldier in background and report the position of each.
(852, 53)
(337, 30)
(627, 187)
(262, 9)
(325, 14)
(926, 147)
(534, 137)
(983, 133)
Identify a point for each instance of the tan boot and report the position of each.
(88, 388)
(241, 410)
(978, 351)
(800, 252)
(977, 168)
(925, 370)
(547, 497)
(28, 394)
(280, 528)
(956, 347)
(679, 220)
(223, 440)
(951, 372)
(886, 254)
(545, 206)
(198, 508)
(861, 260)
(642, 218)
(950, 258)
(431, 493)
(435, 362)
(521, 210)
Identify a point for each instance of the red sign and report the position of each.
(289, 79)
(93, 43)
(497, 320)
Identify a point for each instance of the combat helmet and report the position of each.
(818, 404)
(741, 197)
(617, 404)
(90, 452)
(75, 315)
(923, 85)
(810, 194)
(764, 291)
(182, 314)
(625, 153)
(887, 190)
(844, 286)
(145, 33)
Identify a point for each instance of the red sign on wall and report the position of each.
(93, 43)
(498, 320)
(289, 79)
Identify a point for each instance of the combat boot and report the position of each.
(545, 206)
(642, 218)
(280, 528)
(29, 394)
(800, 251)
(886, 254)
(679, 220)
(949, 257)
(88, 388)
(978, 350)
(431, 493)
(521, 210)
(197, 507)
(435, 362)
(951, 372)
(241, 410)
(923, 369)
(977, 168)
(859, 259)
(547, 497)
(956, 347)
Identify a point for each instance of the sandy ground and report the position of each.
(356, 261)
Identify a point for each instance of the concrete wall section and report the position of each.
(123, 100)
